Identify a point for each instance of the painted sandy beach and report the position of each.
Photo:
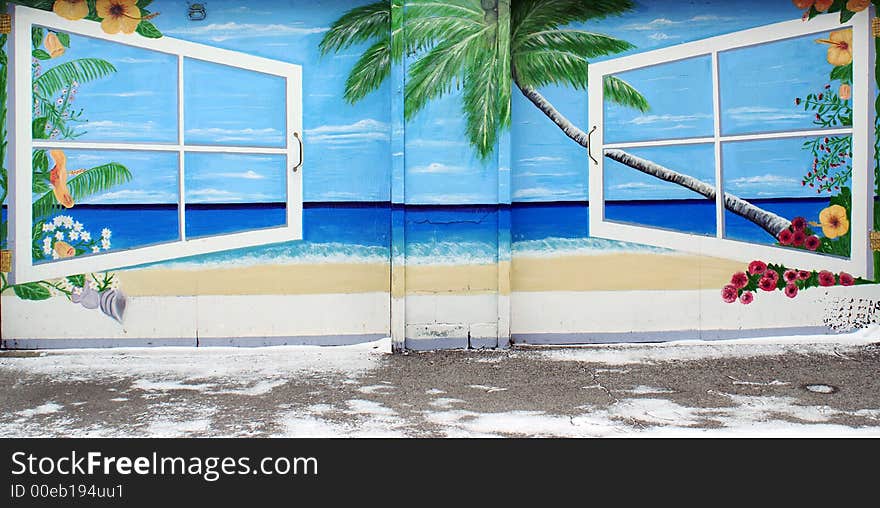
(599, 272)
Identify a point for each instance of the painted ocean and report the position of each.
(359, 232)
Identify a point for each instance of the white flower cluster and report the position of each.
(65, 228)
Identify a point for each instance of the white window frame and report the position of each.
(20, 95)
(860, 262)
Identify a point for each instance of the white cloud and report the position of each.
(649, 119)
(436, 168)
(531, 174)
(661, 36)
(764, 114)
(135, 196)
(660, 23)
(131, 60)
(768, 179)
(138, 93)
(531, 161)
(220, 32)
(545, 192)
(357, 132)
(247, 175)
(635, 186)
(449, 199)
(217, 134)
(222, 196)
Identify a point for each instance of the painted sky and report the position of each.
(348, 147)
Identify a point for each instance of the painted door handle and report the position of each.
(300, 163)
(590, 145)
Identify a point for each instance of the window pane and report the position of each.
(230, 193)
(88, 201)
(95, 90)
(679, 95)
(780, 86)
(634, 197)
(796, 177)
(229, 106)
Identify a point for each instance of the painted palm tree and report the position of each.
(458, 47)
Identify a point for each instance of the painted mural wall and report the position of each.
(446, 192)
(334, 282)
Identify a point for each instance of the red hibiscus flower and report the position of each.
(803, 274)
(791, 290)
(798, 238)
(747, 297)
(739, 280)
(729, 293)
(790, 276)
(799, 224)
(772, 275)
(826, 278)
(757, 267)
(784, 237)
(845, 279)
(812, 242)
(767, 284)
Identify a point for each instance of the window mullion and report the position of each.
(719, 170)
(181, 155)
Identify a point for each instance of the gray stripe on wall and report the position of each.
(305, 340)
(547, 339)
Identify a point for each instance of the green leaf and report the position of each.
(357, 26)
(31, 291)
(41, 185)
(37, 37)
(371, 69)
(39, 54)
(842, 73)
(621, 92)
(77, 280)
(149, 30)
(93, 181)
(846, 15)
(144, 3)
(38, 128)
(82, 70)
(40, 161)
(64, 39)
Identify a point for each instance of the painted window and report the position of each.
(169, 149)
(757, 146)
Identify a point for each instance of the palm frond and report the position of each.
(481, 102)
(371, 69)
(621, 92)
(95, 180)
(580, 42)
(357, 26)
(539, 68)
(82, 70)
(432, 75)
(528, 16)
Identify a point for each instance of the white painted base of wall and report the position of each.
(202, 320)
(618, 316)
(453, 321)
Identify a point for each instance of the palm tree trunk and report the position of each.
(768, 221)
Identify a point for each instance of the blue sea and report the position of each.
(360, 232)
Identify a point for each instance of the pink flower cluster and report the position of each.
(797, 235)
(759, 275)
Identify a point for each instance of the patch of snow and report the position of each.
(434, 391)
(641, 390)
(487, 389)
(689, 350)
(43, 409)
(119, 399)
(445, 402)
(375, 389)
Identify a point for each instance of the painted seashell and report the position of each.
(64, 249)
(113, 304)
(89, 298)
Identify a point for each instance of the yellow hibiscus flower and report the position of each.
(840, 52)
(53, 45)
(71, 9)
(118, 15)
(857, 5)
(834, 222)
